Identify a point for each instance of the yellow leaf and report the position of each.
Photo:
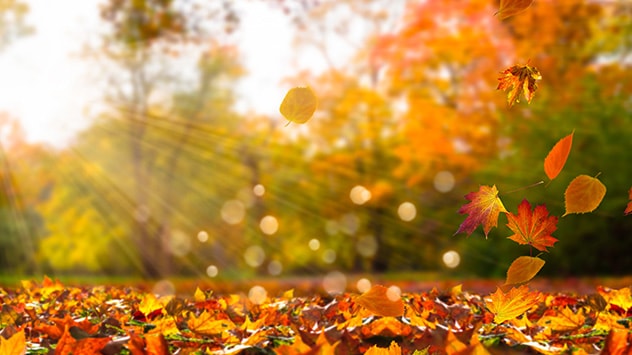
(206, 324)
(15, 345)
(509, 8)
(379, 301)
(199, 295)
(506, 306)
(563, 320)
(393, 349)
(299, 104)
(523, 269)
(583, 194)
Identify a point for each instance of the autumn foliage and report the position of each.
(49, 317)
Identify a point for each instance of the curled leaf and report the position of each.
(583, 195)
(523, 269)
(556, 159)
(509, 8)
(521, 79)
(483, 209)
(299, 104)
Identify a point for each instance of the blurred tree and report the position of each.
(12, 21)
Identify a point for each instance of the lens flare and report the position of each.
(407, 211)
(269, 225)
(451, 259)
(359, 195)
(233, 211)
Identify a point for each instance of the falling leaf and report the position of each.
(484, 208)
(506, 306)
(299, 104)
(523, 269)
(521, 79)
(377, 300)
(628, 209)
(510, 8)
(532, 228)
(563, 319)
(15, 345)
(583, 194)
(555, 160)
(393, 349)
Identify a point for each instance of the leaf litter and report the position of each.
(51, 318)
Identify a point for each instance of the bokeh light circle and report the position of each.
(212, 271)
(363, 285)
(233, 211)
(254, 256)
(359, 195)
(444, 181)
(257, 294)
(269, 225)
(407, 211)
(335, 282)
(451, 259)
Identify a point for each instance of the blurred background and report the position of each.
(142, 138)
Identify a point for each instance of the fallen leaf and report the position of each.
(299, 105)
(556, 159)
(628, 209)
(564, 319)
(521, 79)
(393, 349)
(583, 194)
(484, 208)
(510, 8)
(618, 342)
(523, 269)
(506, 306)
(532, 228)
(207, 324)
(15, 345)
(377, 300)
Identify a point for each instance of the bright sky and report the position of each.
(54, 92)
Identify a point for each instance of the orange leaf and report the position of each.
(523, 269)
(157, 345)
(563, 320)
(379, 301)
(532, 228)
(509, 8)
(483, 209)
(618, 342)
(555, 160)
(583, 194)
(299, 104)
(521, 79)
(207, 324)
(393, 349)
(506, 306)
(15, 345)
(628, 209)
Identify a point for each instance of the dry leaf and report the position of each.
(506, 306)
(520, 79)
(532, 228)
(583, 195)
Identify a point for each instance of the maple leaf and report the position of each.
(299, 104)
(523, 269)
(207, 324)
(583, 195)
(393, 349)
(533, 228)
(563, 319)
(521, 79)
(509, 8)
(380, 302)
(628, 209)
(506, 306)
(484, 208)
(15, 345)
(555, 160)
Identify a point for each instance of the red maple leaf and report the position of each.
(533, 228)
(484, 208)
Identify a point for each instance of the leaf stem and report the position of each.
(525, 187)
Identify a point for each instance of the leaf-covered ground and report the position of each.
(51, 318)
